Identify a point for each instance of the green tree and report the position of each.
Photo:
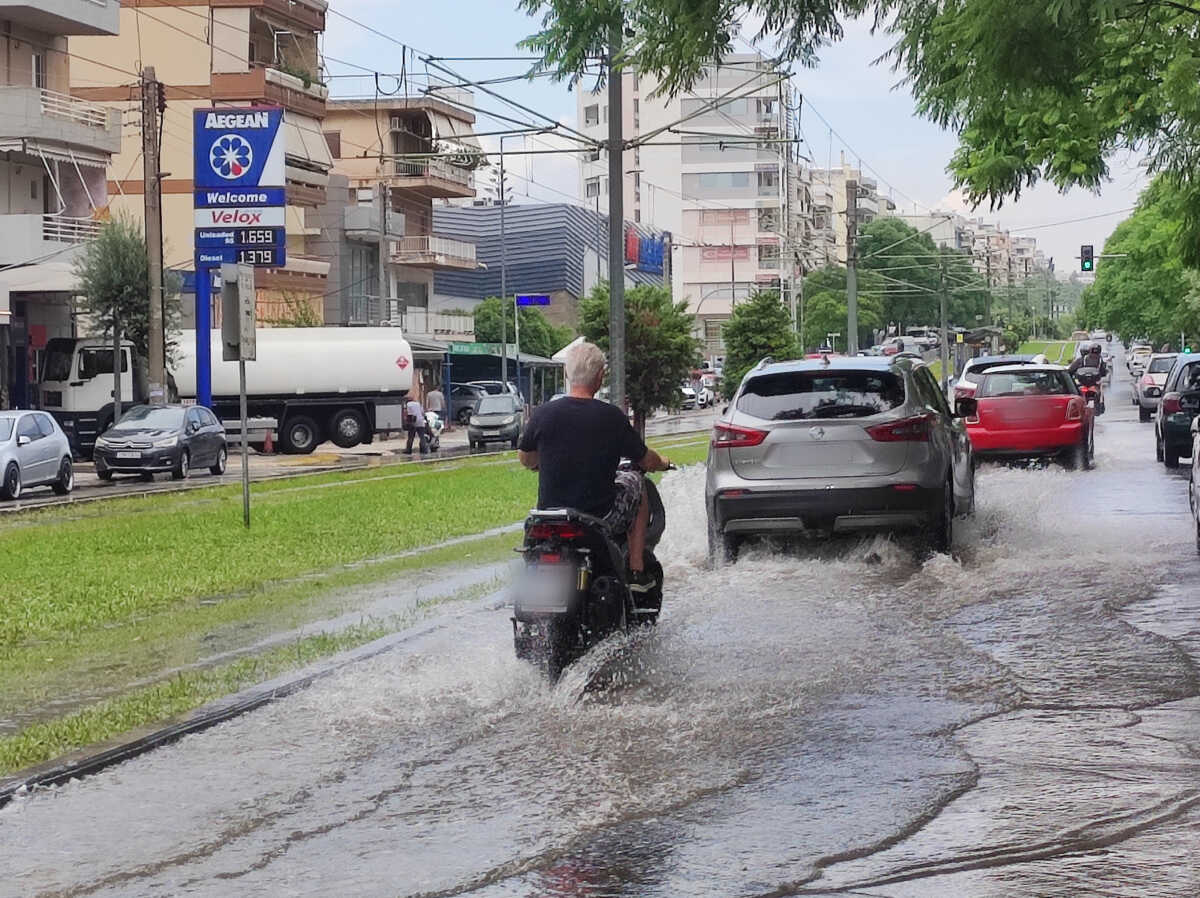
(760, 326)
(825, 309)
(538, 335)
(1146, 293)
(660, 350)
(113, 272)
(907, 262)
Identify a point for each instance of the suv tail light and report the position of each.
(730, 436)
(555, 531)
(1147, 380)
(1171, 403)
(915, 429)
(1075, 410)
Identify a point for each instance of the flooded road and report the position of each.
(1021, 720)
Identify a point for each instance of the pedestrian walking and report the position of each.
(435, 402)
(414, 423)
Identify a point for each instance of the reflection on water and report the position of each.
(1015, 721)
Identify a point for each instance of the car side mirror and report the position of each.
(966, 407)
(193, 427)
(23, 440)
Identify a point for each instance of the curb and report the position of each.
(90, 761)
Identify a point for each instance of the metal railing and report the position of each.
(68, 230)
(415, 250)
(432, 168)
(431, 324)
(75, 110)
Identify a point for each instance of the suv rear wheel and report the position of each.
(722, 547)
(941, 539)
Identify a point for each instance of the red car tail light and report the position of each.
(1075, 410)
(730, 436)
(914, 430)
(964, 391)
(555, 531)
(1148, 380)
(1171, 404)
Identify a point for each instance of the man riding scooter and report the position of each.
(1089, 370)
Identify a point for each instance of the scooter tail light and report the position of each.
(1171, 403)
(906, 430)
(555, 531)
(730, 436)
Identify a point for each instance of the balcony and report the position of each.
(308, 14)
(868, 205)
(432, 178)
(361, 223)
(438, 325)
(30, 236)
(64, 17)
(435, 252)
(273, 87)
(30, 116)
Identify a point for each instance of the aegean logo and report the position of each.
(231, 156)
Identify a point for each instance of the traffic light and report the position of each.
(1087, 260)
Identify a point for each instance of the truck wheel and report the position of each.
(348, 428)
(300, 435)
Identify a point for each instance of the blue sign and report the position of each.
(219, 198)
(211, 238)
(650, 255)
(533, 299)
(261, 256)
(239, 147)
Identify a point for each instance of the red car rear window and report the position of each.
(1025, 383)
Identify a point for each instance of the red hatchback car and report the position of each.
(1030, 411)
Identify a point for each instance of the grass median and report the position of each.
(112, 598)
(1057, 352)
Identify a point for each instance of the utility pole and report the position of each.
(503, 274)
(616, 221)
(384, 291)
(1010, 290)
(987, 252)
(1025, 288)
(851, 273)
(152, 104)
(945, 354)
(732, 272)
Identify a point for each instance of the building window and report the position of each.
(768, 256)
(637, 155)
(768, 183)
(39, 71)
(637, 179)
(724, 216)
(591, 114)
(768, 219)
(333, 140)
(637, 116)
(591, 187)
(637, 216)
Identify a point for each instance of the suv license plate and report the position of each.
(129, 454)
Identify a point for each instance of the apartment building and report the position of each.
(54, 151)
(718, 171)
(219, 53)
(830, 207)
(418, 151)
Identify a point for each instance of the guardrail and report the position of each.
(67, 107)
(68, 230)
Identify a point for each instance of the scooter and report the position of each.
(1088, 380)
(434, 425)
(573, 590)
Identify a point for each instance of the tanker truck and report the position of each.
(326, 383)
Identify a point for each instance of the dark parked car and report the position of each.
(1179, 405)
(496, 418)
(172, 438)
(462, 400)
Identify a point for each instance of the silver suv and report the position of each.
(834, 445)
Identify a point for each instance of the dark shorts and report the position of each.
(625, 505)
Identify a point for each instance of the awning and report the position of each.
(561, 355)
(304, 144)
(456, 139)
(53, 151)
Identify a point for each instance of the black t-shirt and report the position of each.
(579, 443)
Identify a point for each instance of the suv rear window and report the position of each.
(797, 395)
(1025, 383)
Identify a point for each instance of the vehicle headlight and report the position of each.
(103, 442)
(509, 420)
(165, 443)
(474, 422)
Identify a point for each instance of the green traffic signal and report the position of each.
(1086, 258)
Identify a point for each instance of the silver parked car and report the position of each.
(33, 452)
(1148, 388)
(835, 445)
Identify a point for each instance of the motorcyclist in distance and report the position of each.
(576, 444)
(1090, 359)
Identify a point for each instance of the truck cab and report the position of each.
(76, 386)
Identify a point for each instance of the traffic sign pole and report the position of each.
(204, 337)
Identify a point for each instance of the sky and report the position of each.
(851, 106)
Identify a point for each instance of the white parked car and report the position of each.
(687, 397)
(705, 397)
(33, 452)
